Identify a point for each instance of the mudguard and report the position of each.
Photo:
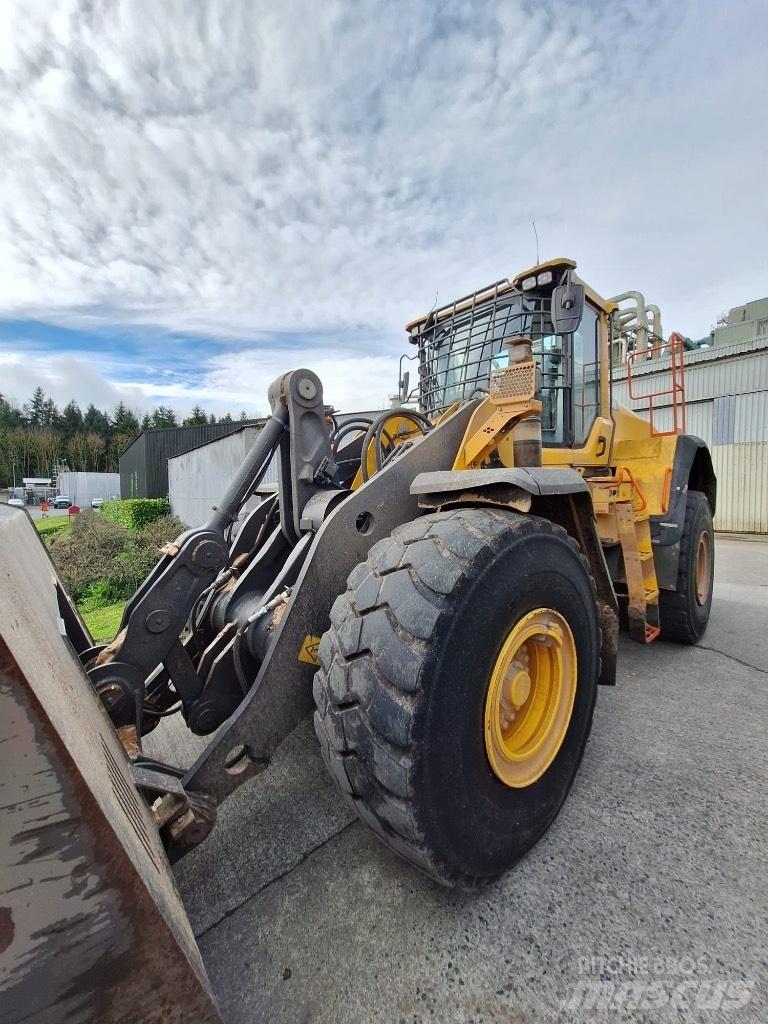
(691, 470)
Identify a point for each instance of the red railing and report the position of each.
(675, 349)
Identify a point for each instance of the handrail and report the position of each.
(675, 348)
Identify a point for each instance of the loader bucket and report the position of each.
(91, 924)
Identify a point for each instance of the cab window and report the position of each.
(585, 387)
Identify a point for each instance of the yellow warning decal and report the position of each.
(308, 652)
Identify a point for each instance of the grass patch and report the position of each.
(53, 525)
(103, 623)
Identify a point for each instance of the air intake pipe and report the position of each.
(526, 433)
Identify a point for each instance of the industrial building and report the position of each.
(743, 323)
(82, 488)
(726, 390)
(34, 489)
(144, 463)
(198, 477)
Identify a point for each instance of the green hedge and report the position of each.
(133, 513)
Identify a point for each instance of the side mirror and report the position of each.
(404, 381)
(567, 306)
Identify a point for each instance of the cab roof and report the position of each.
(507, 284)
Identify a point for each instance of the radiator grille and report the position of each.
(513, 382)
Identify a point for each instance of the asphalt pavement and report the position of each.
(646, 901)
(52, 513)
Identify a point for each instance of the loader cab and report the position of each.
(460, 344)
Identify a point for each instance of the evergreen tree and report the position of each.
(196, 419)
(71, 419)
(163, 417)
(95, 421)
(34, 410)
(34, 438)
(50, 413)
(9, 415)
(124, 420)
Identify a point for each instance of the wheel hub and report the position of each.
(703, 568)
(530, 697)
(520, 688)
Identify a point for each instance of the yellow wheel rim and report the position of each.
(703, 568)
(530, 697)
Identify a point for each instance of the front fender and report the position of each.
(560, 495)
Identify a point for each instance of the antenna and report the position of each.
(536, 233)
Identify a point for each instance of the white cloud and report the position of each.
(244, 167)
(62, 378)
(229, 382)
(351, 382)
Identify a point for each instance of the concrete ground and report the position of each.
(646, 901)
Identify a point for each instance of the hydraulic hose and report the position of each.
(376, 430)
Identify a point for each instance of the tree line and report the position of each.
(37, 437)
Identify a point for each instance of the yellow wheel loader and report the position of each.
(442, 586)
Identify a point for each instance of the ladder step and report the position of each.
(642, 586)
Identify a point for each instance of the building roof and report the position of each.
(715, 353)
(239, 428)
(174, 435)
(341, 418)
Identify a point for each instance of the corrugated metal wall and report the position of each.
(727, 406)
(740, 418)
(198, 478)
(82, 488)
(144, 464)
(742, 487)
(133, 469)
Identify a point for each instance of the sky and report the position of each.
(197, 197)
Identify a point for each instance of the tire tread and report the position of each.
(365, 730)
(674, 612)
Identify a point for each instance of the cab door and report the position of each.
(579, 428)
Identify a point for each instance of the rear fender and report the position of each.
(691, 470)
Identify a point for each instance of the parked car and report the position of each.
(97, 502)
(16, 502)
(61, 501)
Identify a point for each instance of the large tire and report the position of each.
(684, 613)
(404, 675)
